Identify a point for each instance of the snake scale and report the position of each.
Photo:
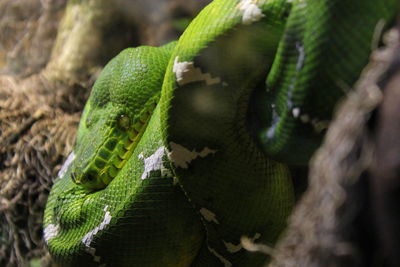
(183, 149)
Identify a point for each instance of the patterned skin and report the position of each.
(177, 151)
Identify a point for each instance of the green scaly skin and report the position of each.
(236, 189)
(178, 183)
(323, 51)
(140, 218)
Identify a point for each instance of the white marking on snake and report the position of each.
(296, 112)
(91, 251)
(232, 248)
(186, 72)
(299, 66)
(302, 55)
(274, 124)
(222, 259)
(182, 156)
(319, 125)
(250, 11)
(50, 231)
(154, 163)
(88, 238)
(305, 118)
(208, 215)
(66, 164)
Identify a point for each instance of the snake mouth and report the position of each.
(114, 152)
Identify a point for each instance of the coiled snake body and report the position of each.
(182, 149)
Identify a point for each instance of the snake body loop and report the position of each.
(182, 149)
(325, 46)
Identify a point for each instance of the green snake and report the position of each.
(183, 149)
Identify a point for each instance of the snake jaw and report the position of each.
(112, 171)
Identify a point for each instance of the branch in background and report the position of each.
(385, 172)
(334, 222)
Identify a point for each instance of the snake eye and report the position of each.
(90, 177)
(124, 122)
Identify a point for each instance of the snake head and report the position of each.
(110, 137)
(116, 115)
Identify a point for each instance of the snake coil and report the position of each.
(183, 149)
